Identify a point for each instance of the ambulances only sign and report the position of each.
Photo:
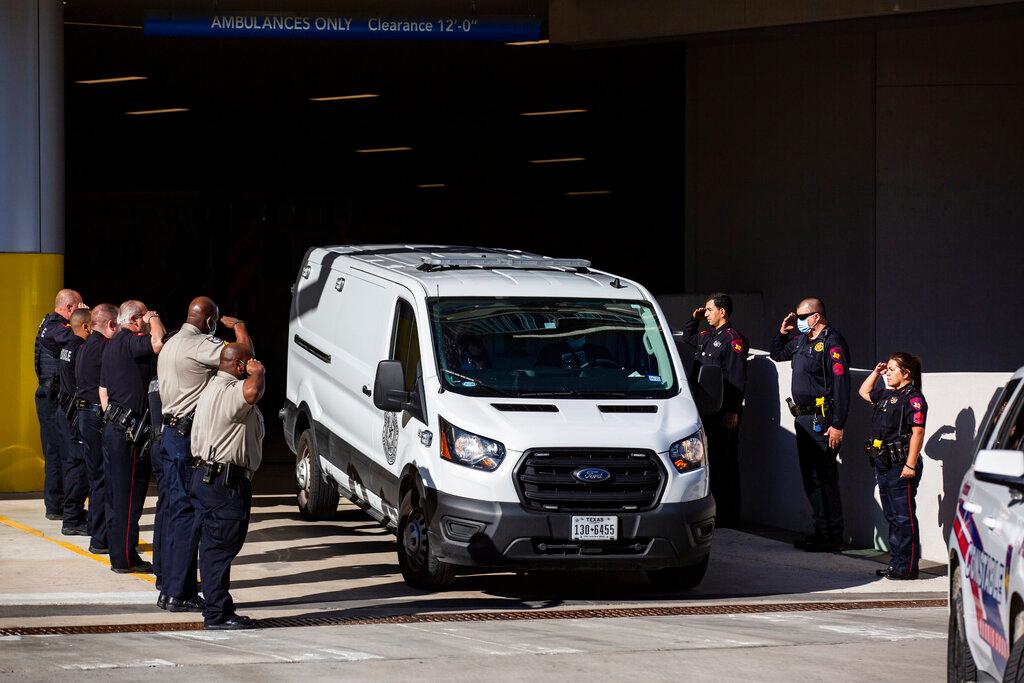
(339, 27)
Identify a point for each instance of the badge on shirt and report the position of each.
(716, 344)
(916, 403)
(893, 400)
(819, 347)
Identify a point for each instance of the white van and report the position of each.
(497, 409)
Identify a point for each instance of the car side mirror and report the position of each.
(389, 392)
(1005, 468)
(708, 389)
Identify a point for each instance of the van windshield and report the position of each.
(575, 348)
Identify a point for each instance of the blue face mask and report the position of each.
(803, 325)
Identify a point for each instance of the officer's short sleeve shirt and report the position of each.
(127, 369)
(187, 363)
(87, 368)
(227, 429)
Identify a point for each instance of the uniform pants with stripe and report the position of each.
(90, 431)
(128, 478)
(899, 503)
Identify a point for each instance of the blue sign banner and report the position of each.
(339, 27)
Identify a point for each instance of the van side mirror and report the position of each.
(389, 392)
(708, 389)
(1005, 468)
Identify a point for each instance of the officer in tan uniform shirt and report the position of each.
(227, 438)
(188, 362)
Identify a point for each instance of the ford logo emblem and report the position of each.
(592, 475)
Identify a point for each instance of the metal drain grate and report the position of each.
(518, 615)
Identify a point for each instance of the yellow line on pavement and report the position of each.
(69, 546)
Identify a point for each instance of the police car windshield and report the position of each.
(557, 348)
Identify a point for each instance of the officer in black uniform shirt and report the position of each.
(90, 422)
(52, 335)
(821, 403)
(128, 368)
(76, 483)
(897, 435)
(725, 347)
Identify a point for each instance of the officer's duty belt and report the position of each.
(82, 405)
(171, 421)
(215, 469)
(805, 410)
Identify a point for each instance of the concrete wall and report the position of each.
(879, 166)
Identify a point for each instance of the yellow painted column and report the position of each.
(29, 282)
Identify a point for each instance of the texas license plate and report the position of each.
(595, 528)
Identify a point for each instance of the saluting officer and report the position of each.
(76, 481)
(820, 403)
(128, 361)
(227, 438)
(897, 435)
(90, 422)
(187, 363)
(724, 346)
(53, 334)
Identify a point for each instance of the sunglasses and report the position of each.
(805, 316)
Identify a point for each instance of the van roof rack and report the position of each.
(506, 260)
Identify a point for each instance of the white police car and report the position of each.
(986, 550)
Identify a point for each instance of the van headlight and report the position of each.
(469, 449)
(690, 453)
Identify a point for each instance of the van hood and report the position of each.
(521, 424)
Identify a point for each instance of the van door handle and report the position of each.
(973, 508)
(991, 523)
(366, 390)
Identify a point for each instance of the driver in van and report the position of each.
(472, 354)
(573, 351)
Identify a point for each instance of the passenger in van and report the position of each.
(472, 354)
(574, 351)
(894, 449)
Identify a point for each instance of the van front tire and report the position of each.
(316, 497)
(960, 664)
(421, 568)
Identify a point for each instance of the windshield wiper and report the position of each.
(479, 383)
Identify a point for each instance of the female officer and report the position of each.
(897, 434)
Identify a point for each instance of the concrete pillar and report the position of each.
(31, 217)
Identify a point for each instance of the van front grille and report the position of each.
(573, 480)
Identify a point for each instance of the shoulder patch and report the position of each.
(836, 353)
(916, 403)
(703, 333)
(837, 369)
(918, 418)
(737, 345)
(819, 347)
(215, 340)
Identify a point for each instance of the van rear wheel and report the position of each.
(316, 497)
(679, 578)
(960, 664)
(421, 568)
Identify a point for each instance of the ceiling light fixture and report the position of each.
(553, 112)
(430, 186)
(556, 161)
(115, 79)
(335, 98)
(96, 25)
(143, 112)
(374, 150)
(522, 43)
(585, 193)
